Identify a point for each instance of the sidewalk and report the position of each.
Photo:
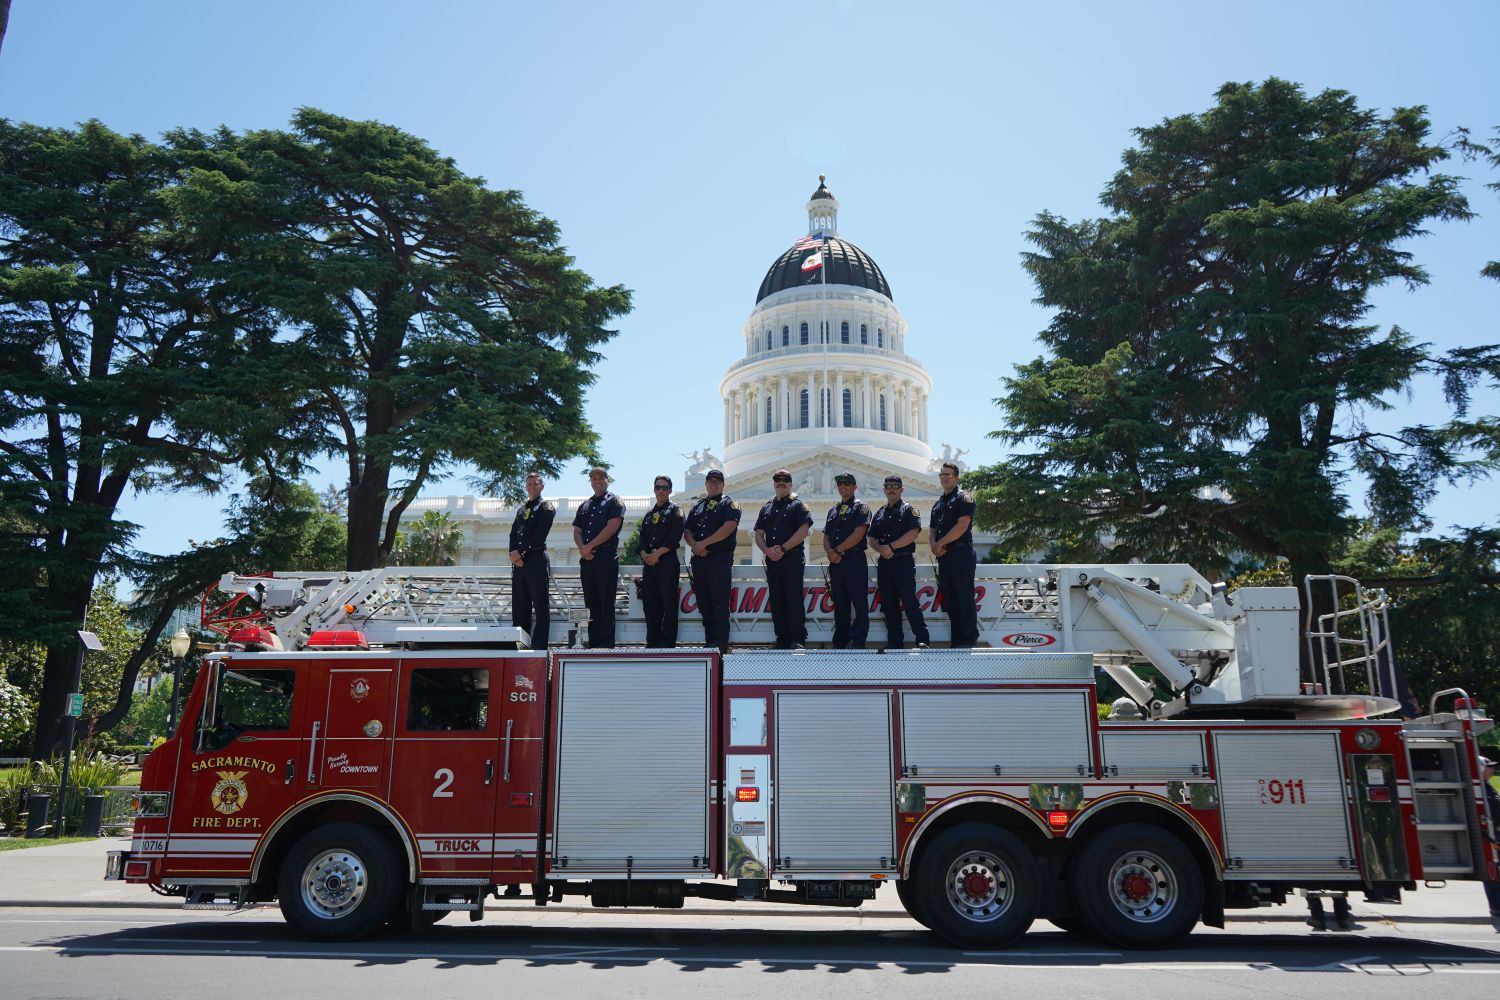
(73, 875)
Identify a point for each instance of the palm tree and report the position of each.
(434, 540)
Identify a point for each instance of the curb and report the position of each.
(794, 911)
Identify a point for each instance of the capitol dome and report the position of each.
(845, 264)
(825, 383)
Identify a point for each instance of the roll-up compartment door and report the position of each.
(990, 733)
(1284, 805)
(834, 782)
(633, 765)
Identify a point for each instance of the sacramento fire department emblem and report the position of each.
(229, 795)
(360, 689)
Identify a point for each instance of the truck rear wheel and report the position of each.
(1138, 887)
(340, 883)
(977, 886)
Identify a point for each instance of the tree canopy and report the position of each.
(1211, 362)
(431, 320)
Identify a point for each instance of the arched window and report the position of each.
(823, 331)
(804, 333)
(804, 407)
(879, 337)
(786, 336)
(769, 342)
(848, 408)
(882, 413)
(769, 412)
(843, 333)
(864, 333)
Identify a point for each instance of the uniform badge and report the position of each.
(713, 504)
(229, 795)
(734, 505)
(360, 689)
(525, 513)
(843, 509)
(656, 518)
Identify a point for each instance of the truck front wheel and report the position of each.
(1138, 887)
(340, 883)
(977, 886)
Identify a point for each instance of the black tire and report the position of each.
(977, 886)
(340, 882)
(906, 891)
(1137, 886)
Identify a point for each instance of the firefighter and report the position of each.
(895, 529)
(596, 533)
(952, 539)
(848, 571)
(780, 530)
(661, 534)
(529, 608)
(712, 532)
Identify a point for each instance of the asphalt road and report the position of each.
(518, 951)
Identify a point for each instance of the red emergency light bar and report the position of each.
(338, 638)
(747, 794)
(254, 639)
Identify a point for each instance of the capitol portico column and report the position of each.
(837, 406)
(728, 410)
(814, 404)
(783, 405)
(926, 427)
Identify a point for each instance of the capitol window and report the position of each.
(769, 342)
(879, 337)
(768, 415)
(804, 407)
(864, 333)
(848, 408)
(882, 413)
(804, 333)
(843, 333)
(786, 336)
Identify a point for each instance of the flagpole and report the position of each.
(826, 335)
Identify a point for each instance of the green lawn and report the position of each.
(21, 843)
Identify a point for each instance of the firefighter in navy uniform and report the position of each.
(848, 571)
(780, 530)
(529, 586)
(894, 530)
(952, 539)
(711, 531)
(596, 533)
(661, 534)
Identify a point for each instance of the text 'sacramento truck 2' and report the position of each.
(382, 749)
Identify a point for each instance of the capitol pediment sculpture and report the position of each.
(950, 454)
(703, 461)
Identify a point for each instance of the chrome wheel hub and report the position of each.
(979, 886)
(334, 883)
(1142, 887)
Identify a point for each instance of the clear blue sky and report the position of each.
(675, 144)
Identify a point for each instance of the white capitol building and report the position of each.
(825, 386)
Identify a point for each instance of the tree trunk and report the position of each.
(367, 501)
(159, 621)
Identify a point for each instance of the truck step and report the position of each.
(216, 897)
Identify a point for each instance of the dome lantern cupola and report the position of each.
(823, 210)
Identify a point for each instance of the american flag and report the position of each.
(809, 242)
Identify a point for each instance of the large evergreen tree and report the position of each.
(437, 321)
(128, 338)
(1211, 358)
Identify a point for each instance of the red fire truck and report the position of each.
(395, 764)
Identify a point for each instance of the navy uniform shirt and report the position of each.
(780, 519)
(528, 534)
(844, 519)
(946, 512)
(662, 527)
(709, 515)
(596, 512)
(889, 524)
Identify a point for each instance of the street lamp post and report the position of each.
(182, 643)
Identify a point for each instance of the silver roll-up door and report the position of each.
(1148, 754)
(1284, 805)
(632, 766)
(1032, 733)
(834, 783)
